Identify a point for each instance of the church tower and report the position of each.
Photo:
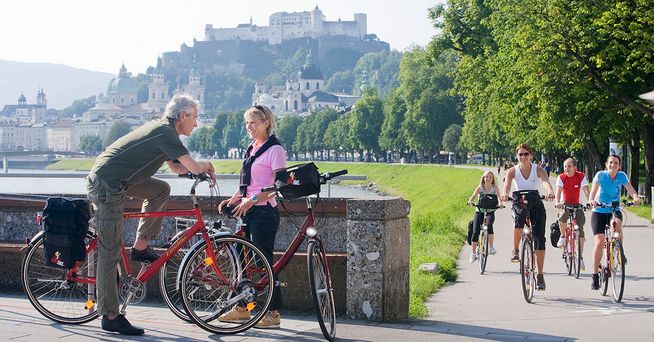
(158, 90)
(38, 112)
(195, 87)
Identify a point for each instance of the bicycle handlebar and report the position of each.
(330, 175)
(190, 175)
(477, 206)
(615, 204)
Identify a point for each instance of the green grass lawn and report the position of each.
(439, 214)
(644, 211)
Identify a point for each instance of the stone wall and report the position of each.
(371, 280)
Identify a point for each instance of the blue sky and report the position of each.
(102, 35)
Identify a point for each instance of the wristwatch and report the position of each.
(254, 198)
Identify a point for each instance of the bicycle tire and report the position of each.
(577, 254)
(604, 274)
(617, 270)
(321, 290)
(168, 284)
(206, 297)
(527, 270)
(567, 258)
(483, 250)
(50, 291)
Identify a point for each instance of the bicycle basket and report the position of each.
(487, 201)
(302, 180)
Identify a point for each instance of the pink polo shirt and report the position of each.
(262, 172)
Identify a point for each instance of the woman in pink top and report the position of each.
(264, 157)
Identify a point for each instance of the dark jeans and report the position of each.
(262, 223)
(479, 220)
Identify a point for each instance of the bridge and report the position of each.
(6, 154)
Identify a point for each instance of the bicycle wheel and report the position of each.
(321, 289)
(577, 254)
(168, 283)
(230, 274)
(56, 295)
(617, 270)
(483, 250)
(604, 274)
(527, 270)
(569, 251)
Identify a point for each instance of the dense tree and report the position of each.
(382, 69)
(451, 138)
(392, 138)
(365, 122)
(286, 131)
(90, 144)
(426, 86)
(117, 130)
(78, 107)
(536, 67)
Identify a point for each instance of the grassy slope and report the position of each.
(438, 213)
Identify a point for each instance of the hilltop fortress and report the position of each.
(284, 26)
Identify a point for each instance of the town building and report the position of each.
(303, 94)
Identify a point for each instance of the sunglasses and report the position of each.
(259, 107)
(523, 154)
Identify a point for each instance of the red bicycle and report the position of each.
(69, 295)
(572, 248)
(204, 306)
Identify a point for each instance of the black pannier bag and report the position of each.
(65, 225)
(298, 180)
(555, 233)
(471, 227)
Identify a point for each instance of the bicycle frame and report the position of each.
(294, 246)
(149, 270)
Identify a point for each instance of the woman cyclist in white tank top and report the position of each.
(535, 208)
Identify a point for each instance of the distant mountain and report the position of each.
(62, 84)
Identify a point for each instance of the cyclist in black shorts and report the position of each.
(526, 177)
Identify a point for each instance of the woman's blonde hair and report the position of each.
(260, 112)
(483, 177)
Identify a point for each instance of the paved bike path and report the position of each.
(491, 306)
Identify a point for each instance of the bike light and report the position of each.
(312, 231)
(526, 230)
(616, 235)
(576, 227)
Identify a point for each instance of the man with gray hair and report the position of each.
(125, 168)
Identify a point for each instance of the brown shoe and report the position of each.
(235, 315)
(269, 321)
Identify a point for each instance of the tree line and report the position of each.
(563, 76)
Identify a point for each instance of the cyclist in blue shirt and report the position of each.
(607, 186)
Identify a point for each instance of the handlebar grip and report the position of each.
(268, 188)
(190, 175)
(331, 175)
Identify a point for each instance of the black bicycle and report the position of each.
(482, 247)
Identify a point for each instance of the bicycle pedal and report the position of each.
(280, 284)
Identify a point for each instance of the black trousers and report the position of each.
(262, 223)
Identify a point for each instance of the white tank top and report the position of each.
(520, 183)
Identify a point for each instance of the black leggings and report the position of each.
(600, 220)
(538, 217)
(262, 222)
(478, 221)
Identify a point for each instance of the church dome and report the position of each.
(121, 85)
(22, 99)
(310, 72)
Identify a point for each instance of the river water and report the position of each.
(54, 182)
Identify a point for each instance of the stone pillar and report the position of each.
(378, 259)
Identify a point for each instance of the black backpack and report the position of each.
(65, 225)
(555, 233)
